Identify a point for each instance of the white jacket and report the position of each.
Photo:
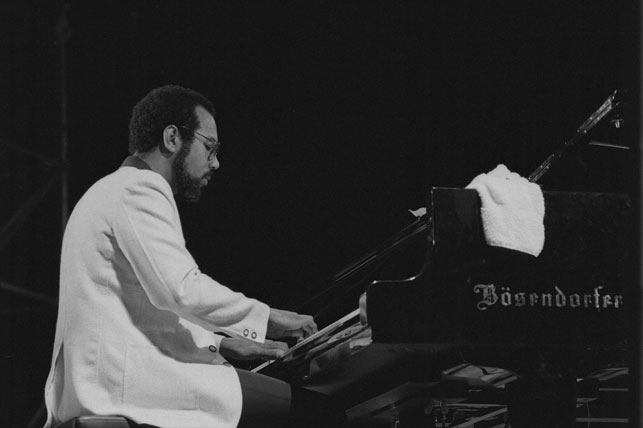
(136, 317)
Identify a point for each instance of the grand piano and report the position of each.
(482, 333)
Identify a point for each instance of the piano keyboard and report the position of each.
(322, 336)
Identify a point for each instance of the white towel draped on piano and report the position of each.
(512, 210)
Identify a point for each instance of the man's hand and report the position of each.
(290, 324)
(240, 348)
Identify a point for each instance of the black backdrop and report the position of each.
(336, 118)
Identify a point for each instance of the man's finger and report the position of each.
(274, 344)
(274, 350)
(294, 333)
(310, 328)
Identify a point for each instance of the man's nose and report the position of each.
(214, 163)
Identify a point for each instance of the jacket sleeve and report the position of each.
(146, 226)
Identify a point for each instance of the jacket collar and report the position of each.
(136, 162)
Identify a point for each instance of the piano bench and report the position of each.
(95, 421)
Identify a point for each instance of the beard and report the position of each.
(188, 188)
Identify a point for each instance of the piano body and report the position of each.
(483, 327)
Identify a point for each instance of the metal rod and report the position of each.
(608, 105)
(43, 159)
(16, 221)
(63, 32)
(28, 293)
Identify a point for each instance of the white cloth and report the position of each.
(512, 210)
(136, 315)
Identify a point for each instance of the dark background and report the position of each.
(336, 118)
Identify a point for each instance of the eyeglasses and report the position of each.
(210, 143)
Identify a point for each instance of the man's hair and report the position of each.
(161, 107)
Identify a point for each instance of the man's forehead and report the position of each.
(205, 119)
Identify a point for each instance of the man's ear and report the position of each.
(171, 141)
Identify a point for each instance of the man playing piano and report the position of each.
(137, 326)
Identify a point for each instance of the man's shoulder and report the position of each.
(127, 186)
(122, 183)
(129, 178)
